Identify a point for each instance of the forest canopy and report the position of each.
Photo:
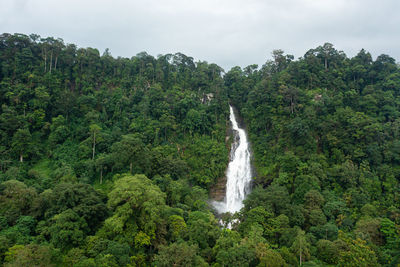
(110, 161)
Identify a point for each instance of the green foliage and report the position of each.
(16, 199)
(82, 199)
(179, 254)
(97, 247)
(70, 118)
(65, 230)
(227, 239)
(208, 158)
(301, 247)
(368, 229)
(274, 199)
(21, 232)
(357, 253)
(177, 226)
(22, 144)
(390, 233)
(131, 151)
(327, 251)
(271, 258)
(238, 255)
(324, 128)
(137, 205)
(202, 229)
(31, 255)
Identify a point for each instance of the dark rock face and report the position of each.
(217, 192)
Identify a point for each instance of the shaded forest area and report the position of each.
(108, 161)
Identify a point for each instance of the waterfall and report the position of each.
(239, 171)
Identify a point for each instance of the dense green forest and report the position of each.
(109, 161)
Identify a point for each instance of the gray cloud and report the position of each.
(226, 32)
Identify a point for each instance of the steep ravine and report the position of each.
(238, 173)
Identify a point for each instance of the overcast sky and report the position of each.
(226, 32)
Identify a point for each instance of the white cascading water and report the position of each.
(239, 171)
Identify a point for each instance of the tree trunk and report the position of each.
(101, 175)
(94, 145)
(45, 60)
(21, 158)
(130, 167)
(51, 59)
(55, 63)
(291, 105)
(300, 255)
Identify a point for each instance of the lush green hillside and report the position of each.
(325, 134)
(108, 161)
(77, 127)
